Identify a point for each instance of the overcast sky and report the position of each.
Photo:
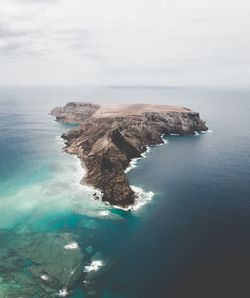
(125, 42)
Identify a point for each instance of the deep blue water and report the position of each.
(191, 240)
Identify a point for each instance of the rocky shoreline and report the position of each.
(110, 136)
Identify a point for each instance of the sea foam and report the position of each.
(94, 266)
(203, 132)
(134, 162)
(207, 131)
(63, 292)
(104, 213)
(141, 198)
(163, 137)
(72, 245)
(44, 277)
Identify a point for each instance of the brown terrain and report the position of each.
(110, 136)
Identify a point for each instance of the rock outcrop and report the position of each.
(109, 137)
(74, 112)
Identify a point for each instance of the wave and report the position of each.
(63, 292)
(94, 266)
(134, 162)
(104, 213)
(44, 277)
(203, 132)
(207, 131)
(163, 137)
(144, 154)
(141, 198)
(72, 245)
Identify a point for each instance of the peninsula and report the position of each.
(110, 136)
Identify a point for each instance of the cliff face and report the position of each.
(109, 137)
(74, 112)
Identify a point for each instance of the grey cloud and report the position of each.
(8, 32)
(161, 43)
(90, 55)
(10, 40)
(81, 40)
(151, 70)
(16, 49)
(10, 48)
(13, 41)
(37, 41)
(36, 1)
(71, 36)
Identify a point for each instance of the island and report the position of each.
(108, 137)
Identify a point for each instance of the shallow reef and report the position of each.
(39, 264)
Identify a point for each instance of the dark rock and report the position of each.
(109, 137)
(74, 111)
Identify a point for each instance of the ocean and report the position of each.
(190, 239)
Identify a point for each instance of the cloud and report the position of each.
(10, 40)
(36, 1)
(125, 42)
(8, 32)
(41, 40)
(17, 43)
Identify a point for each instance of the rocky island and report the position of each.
(110, 136)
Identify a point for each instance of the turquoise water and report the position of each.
(190, 240)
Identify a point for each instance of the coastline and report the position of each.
(85, 204)
(141, 196)
(112, 139)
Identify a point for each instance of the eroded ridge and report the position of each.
(110, 136)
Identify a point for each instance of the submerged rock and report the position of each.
(38, 265)
(93, 277)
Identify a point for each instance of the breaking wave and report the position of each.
(134, 162)
(94, 266)
(141, 198)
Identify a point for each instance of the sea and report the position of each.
(189, 235)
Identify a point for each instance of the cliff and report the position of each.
(109, 136)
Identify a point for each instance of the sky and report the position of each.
(125, 42)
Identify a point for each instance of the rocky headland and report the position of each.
(110, 136)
